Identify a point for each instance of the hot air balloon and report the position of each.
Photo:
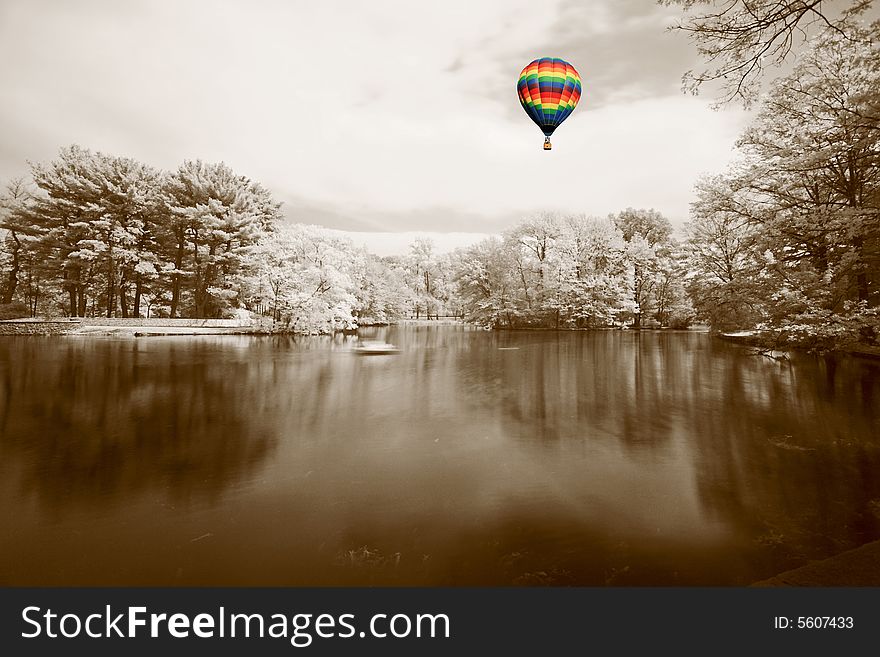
(549, 89)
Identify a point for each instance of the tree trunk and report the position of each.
(205, 280)
(12, 277)
(862, 285)
(31, 294)
(200, 301)
(862, 276)
(111, 277)
(178, 263)
(137, 297)
(200, 286)
(111, 301)
(123, 301)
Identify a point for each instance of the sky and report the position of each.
(370, 117)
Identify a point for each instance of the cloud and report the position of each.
(422, 219)
(621, 48)
(388, 115)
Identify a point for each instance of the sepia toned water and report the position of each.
(470, 458)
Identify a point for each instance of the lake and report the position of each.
(470, 458)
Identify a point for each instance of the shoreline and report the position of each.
(143, 327)
(753, 339)
(171, 327)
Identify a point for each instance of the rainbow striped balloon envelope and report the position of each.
(549, 89)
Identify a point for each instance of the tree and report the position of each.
(422, 266)
(547, 271)
(13, 211)
(650, 225)
(739, 39)
(106, 231)
(673, 307)
(596, 277)
(789, 238)
(218, 217)
(534, 241)
(382, 292)
(815, 148)
(94, 216)
(646, 232)
(485, 284)
(724, 267)
(311, 277)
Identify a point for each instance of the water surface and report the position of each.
(478, 458)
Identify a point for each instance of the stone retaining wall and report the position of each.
(140, 321)
(37, 327)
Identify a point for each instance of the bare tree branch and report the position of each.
(740, 39)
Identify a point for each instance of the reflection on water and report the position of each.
(470, 457)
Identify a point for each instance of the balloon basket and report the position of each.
(547, 145)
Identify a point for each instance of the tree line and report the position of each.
(93, 234)
(101, 235)
(556, 271)
(106, 235)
